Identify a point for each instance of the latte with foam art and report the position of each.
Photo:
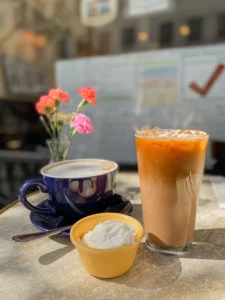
(79, 168)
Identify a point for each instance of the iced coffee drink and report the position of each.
(170, 166)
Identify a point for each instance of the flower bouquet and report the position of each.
(54, 121)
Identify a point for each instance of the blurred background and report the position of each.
(152, 62)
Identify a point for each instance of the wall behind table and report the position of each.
(180, 88)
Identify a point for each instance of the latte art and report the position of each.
(79, 168)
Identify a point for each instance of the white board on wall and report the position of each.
(178, 88)
(141, 7)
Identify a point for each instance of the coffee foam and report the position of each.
(79, 168)
(169, 133)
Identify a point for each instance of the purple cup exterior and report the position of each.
(69, 196)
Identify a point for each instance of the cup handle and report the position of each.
(23, 197)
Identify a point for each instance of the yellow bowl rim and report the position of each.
(76, 241)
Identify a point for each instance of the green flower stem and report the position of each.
(46, 126)
(59, 127)
(57, 105)
(82, 105)
(51, 123)
(74, 132)
(56, 110)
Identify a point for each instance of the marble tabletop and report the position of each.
(49, 268)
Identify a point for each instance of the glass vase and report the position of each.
(58, 149)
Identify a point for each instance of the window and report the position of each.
(221, 26)
(64, 46)
(166, 34)
(196, 26)
(128, 38)
(84, 48)
(104, 43)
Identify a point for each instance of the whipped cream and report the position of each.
(110, 234)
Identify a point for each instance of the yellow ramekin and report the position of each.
(105, 263)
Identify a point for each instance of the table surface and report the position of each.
(50, 268)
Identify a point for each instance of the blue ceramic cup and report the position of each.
(73, 186)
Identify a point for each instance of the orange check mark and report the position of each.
(204, 91)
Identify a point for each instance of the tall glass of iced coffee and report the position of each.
(170, 166)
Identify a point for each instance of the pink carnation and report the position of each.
(82, 124)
